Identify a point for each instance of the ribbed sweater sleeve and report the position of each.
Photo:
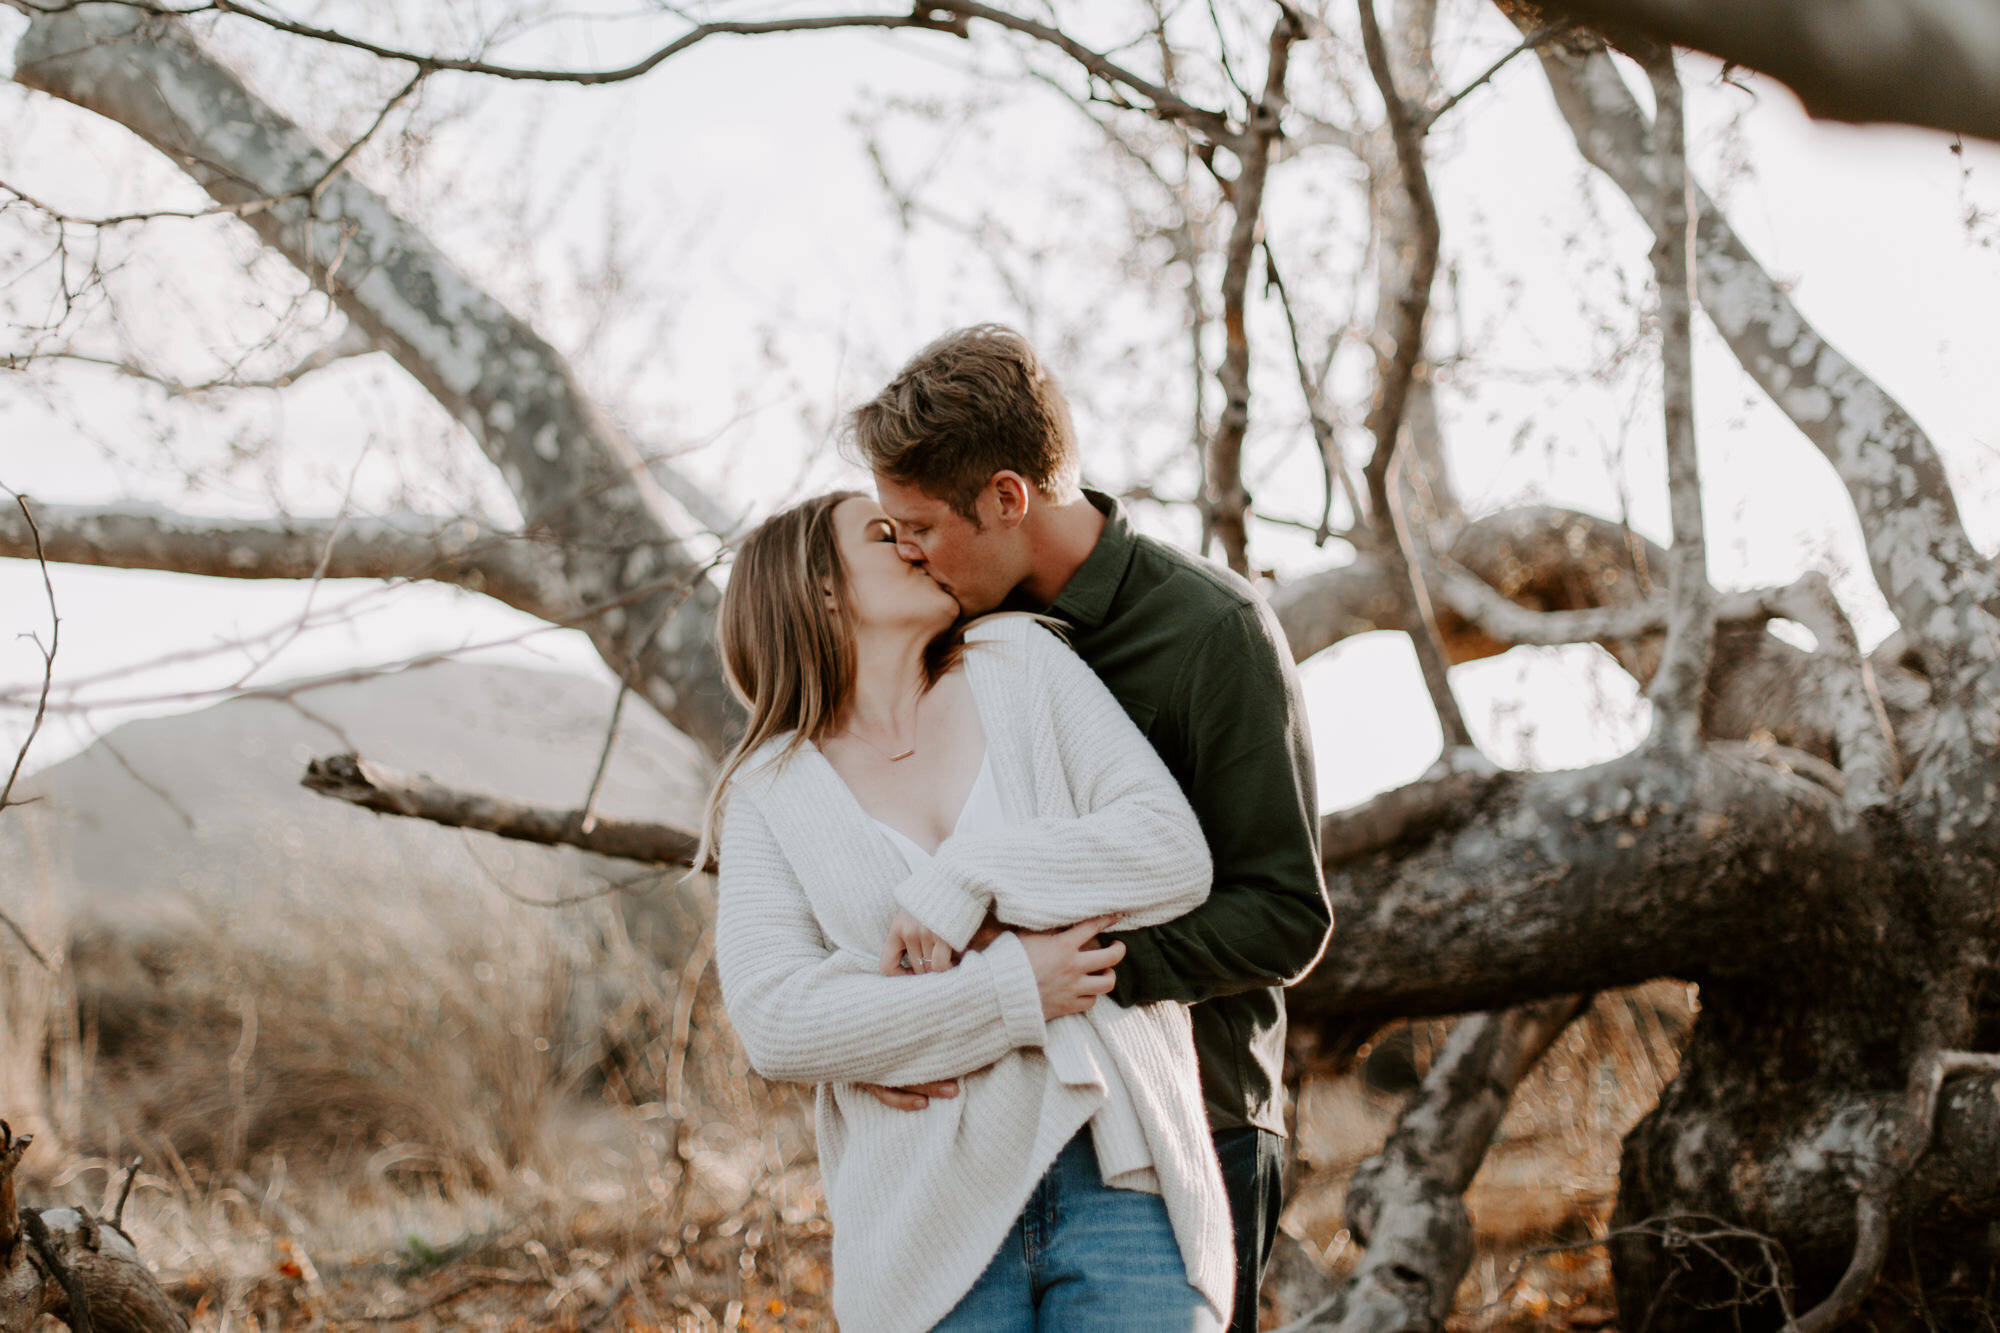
(1137, 851)
(809, 1013)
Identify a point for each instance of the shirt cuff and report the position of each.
(945, 907)
(1015, 987)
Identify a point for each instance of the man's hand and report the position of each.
(1070, 969)
(913, 948)
(913, 1098)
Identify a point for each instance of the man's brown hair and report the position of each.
(975, 402)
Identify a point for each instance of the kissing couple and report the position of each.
(1016, 855)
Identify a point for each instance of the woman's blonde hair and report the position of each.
(786, 653)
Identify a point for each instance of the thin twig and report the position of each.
(335, 167)
(1529, 43)
(589, 820)
(41, 711)
(1313, 388)
(48, 656)
(124, 1193)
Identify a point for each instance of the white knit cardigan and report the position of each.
(922, 1200)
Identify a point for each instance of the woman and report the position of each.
(899, 788)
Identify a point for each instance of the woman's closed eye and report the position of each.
(881, 530)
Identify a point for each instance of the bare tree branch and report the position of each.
(1926, 567)
(1457, 780)
(1676, 687)
(1921, 62)
(946, 16)
(1405, 334)
(1229, 500)
(928, 17)
(1528, 43)
(1333, 464)
(350, 343)
(1401, 327)
(352, 779)
(522, 572)
(48, 672)
(579, 481)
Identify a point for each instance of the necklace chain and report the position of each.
(892, 758)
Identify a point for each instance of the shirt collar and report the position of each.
(1086, 599)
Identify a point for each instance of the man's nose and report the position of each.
(909, 550)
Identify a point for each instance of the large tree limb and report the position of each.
(1920, 62)
(1583, 880)
(1406, 1203)
(352, 779)
(1927, 568)
(522, 572)
(577, 479)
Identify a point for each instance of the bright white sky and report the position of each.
(767, 282)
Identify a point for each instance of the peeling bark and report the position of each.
(583, 488)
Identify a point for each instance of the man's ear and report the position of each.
(1011, 495)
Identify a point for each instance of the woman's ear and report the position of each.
(826, 590)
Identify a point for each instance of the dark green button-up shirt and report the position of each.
(1200, 664)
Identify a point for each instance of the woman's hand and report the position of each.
(1070, 969)
(913, 948)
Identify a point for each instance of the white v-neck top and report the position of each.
(1076, 1054)
(981, 813)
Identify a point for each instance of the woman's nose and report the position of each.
(910, 551)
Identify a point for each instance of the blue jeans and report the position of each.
(1253, 1165)
(1084, 1258)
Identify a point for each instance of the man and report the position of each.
(975, 460)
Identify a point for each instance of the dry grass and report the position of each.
(473, 1114)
